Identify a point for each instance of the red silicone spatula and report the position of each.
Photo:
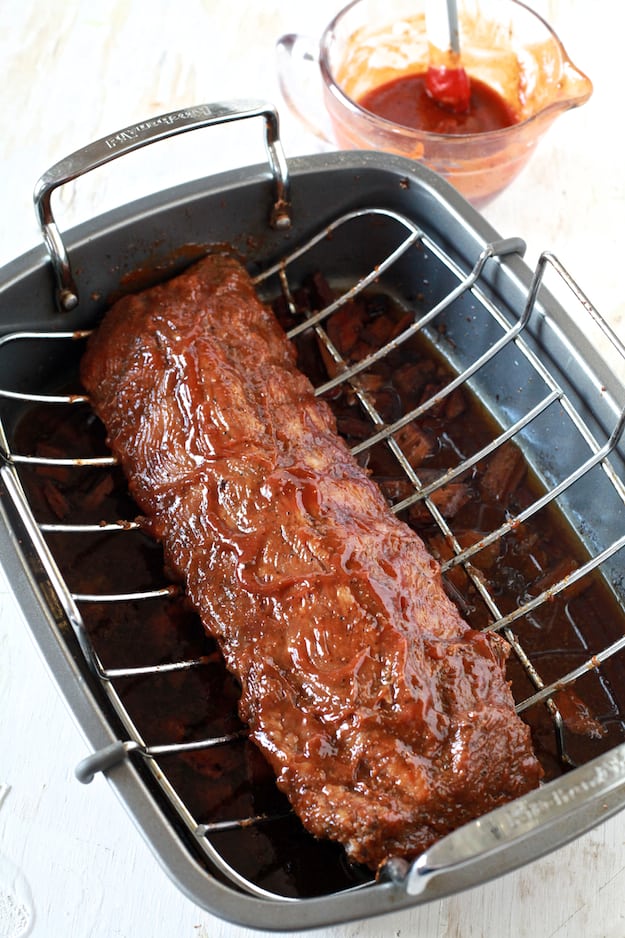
(446, 81)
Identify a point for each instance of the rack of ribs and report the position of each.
(388, 721)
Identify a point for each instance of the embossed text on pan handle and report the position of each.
(534, 824)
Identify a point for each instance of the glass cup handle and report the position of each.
(301, 84)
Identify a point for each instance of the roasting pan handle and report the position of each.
(522, 830)
(139, 135)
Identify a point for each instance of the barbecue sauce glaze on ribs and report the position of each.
(388, 721)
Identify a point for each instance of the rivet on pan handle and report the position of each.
(526, 828)
(138, 135)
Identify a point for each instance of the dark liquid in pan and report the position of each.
(232, 781)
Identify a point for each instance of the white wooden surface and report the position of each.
(71, 864)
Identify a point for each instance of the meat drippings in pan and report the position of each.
(235, 782)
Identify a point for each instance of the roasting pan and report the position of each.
(365, 220)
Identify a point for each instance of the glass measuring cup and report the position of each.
(504, 44)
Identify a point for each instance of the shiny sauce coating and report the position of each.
(388, 721)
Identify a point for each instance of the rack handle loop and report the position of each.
(102, 760)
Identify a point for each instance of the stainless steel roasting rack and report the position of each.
(552, 403)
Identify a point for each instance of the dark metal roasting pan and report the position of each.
(362, 220)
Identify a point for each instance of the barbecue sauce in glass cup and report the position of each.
(369, 43)
(406, 101)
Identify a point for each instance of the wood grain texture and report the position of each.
(74, 71)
